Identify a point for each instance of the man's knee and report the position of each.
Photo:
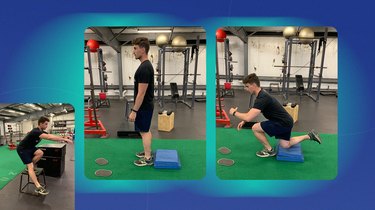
(145, 134)
(284, 144)
(257, 128)
(39, 153)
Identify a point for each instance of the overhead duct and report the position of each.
(38, 114)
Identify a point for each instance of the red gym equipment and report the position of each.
(102, 96)
(93, 122)
(93, 45)
(220, 35)
(227, 85)
(12, 147)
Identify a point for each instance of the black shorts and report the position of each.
(276, 129)
(26, 155)
(143, 120)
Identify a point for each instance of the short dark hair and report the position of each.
(42, 119)
(142, 42)
(251, 79)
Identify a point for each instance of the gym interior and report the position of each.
(56, 167)
(299, 67)
(178, 57)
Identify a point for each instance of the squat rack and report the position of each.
(92, 116)
(287, 65)
(161, 74)
(221, 116)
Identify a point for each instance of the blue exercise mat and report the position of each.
(167, 159)
(292, 154)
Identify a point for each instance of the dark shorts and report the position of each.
(26, 155)
(276, 129)
(143, 120)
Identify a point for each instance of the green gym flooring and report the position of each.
(10, 165)
(120, 154)
(320, 159)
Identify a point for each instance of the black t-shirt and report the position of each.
(272, 109)
(145, 74)
(31, 139)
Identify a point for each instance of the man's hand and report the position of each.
(132, 116)
(232, 110)
(239, 126)
(68, 140)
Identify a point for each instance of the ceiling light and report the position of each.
(154, 31)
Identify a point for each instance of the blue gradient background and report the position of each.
(42, 61)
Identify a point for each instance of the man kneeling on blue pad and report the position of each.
(279, 123)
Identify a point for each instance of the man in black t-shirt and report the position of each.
(30, 155)
(279, 123)
(141, 113)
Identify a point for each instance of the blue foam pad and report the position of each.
(292, 154)
(167, 159)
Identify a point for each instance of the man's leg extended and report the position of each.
(293, 141)
(312, 135)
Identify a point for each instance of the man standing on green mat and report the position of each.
(141, 113)
(30, 155)
(279, 123)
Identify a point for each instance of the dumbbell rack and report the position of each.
(11, 145)
(227, 89)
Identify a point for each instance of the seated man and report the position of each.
(279, 123)
(30, 155)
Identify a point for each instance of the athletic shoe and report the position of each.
(265, 153)
(141, 154)
(314, 136)
(41, 191)
(144, 162)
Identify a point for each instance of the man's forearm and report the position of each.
(242, 116)
(55, 138)
(138, 101)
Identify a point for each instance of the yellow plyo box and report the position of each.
(165, 122)
(293, 112)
